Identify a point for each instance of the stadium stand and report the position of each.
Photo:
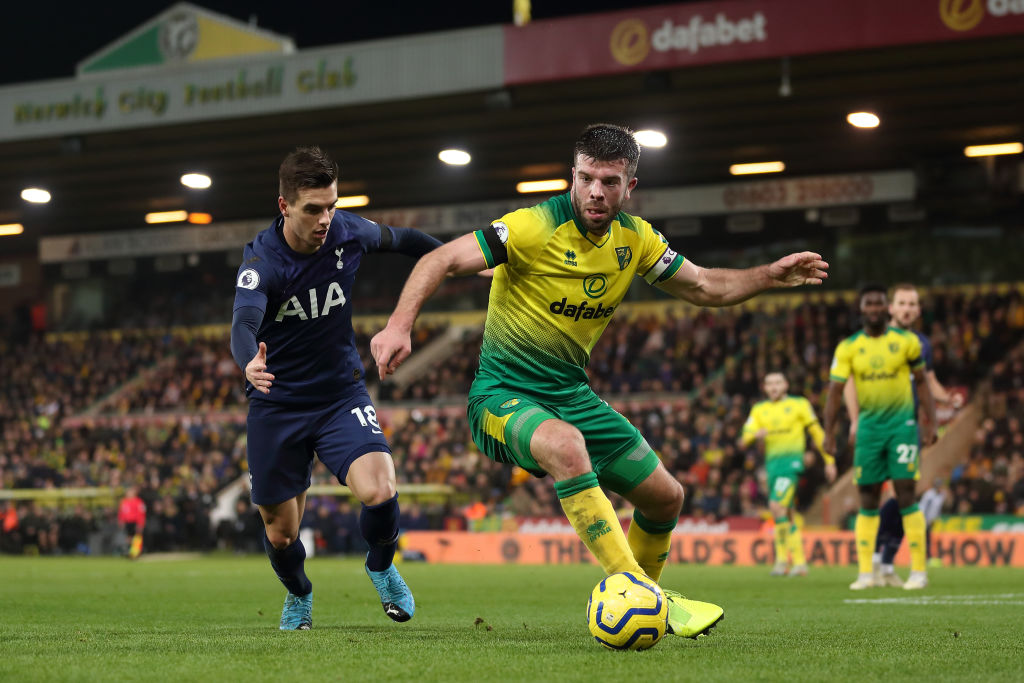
(991, 479)
(163, 410)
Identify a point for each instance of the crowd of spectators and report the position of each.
(173, 523)
(198, 373)
(46, 379)
(685, 377)
(177, 464)
(991, 480)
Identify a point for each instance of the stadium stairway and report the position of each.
(430, 356)
(140, 378)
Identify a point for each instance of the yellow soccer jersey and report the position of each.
(554, 290)
(881, 369)
(785, 421)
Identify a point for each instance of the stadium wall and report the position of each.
(21, 280)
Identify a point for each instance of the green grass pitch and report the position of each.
(215, 618)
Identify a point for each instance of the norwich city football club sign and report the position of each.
(188, 64)
(185, 34)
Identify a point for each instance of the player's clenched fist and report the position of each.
(389, 348)
(256, 371)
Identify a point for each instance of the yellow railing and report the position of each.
(107, 495)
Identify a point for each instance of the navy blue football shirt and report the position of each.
(926, 351)
(926, 354)
(306, 306)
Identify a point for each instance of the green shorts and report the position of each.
(503, 423)
(886, 451)
(783, 473)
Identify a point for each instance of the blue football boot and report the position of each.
(395, 596)
(297, 614)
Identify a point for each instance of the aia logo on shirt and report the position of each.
(294, 307)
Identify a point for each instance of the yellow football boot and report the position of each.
(691, 618)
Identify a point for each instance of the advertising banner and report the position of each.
(687, 525)
(999, 524)
(741, 548)
(674, 36)
(360, 73)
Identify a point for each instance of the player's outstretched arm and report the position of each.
(940, 393)
(250, 356)
(392, 345)
(818, 437)
(752, 431)
(408, 241)
(927, 401)
(852, 407)
(727, 286)
(835, 398)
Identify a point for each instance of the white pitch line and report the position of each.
(991, 599)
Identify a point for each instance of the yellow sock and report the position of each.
(591, 515)
(796, 518)
(914, 530)
(796, 545)
(136, 547)
(781, 536)
(650, 542)
(866, 531)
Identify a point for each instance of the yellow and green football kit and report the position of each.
(888, 440)
(786, 423)
(887, 434)
(554, 290)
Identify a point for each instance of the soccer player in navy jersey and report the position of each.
(904, 311)
(291, 333)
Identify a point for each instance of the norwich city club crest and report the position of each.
(625, 255)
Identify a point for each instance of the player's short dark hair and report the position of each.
(608, 142)
(870, 289)
(780, 373)
(305, 168)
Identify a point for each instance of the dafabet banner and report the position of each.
(673, 36)
(740, 548)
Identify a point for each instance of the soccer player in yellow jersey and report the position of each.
(904, 311)
(561, 269)
(782, 424)
(881, 360)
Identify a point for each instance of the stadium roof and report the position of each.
(933, 100)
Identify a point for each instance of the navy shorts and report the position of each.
(282, 440)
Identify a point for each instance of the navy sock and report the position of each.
(890, 549)
(288, 565)
(890, 531)
(379, 526)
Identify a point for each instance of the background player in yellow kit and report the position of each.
(904, 312)
(561, 269)
(782, 424)
(881, 360)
